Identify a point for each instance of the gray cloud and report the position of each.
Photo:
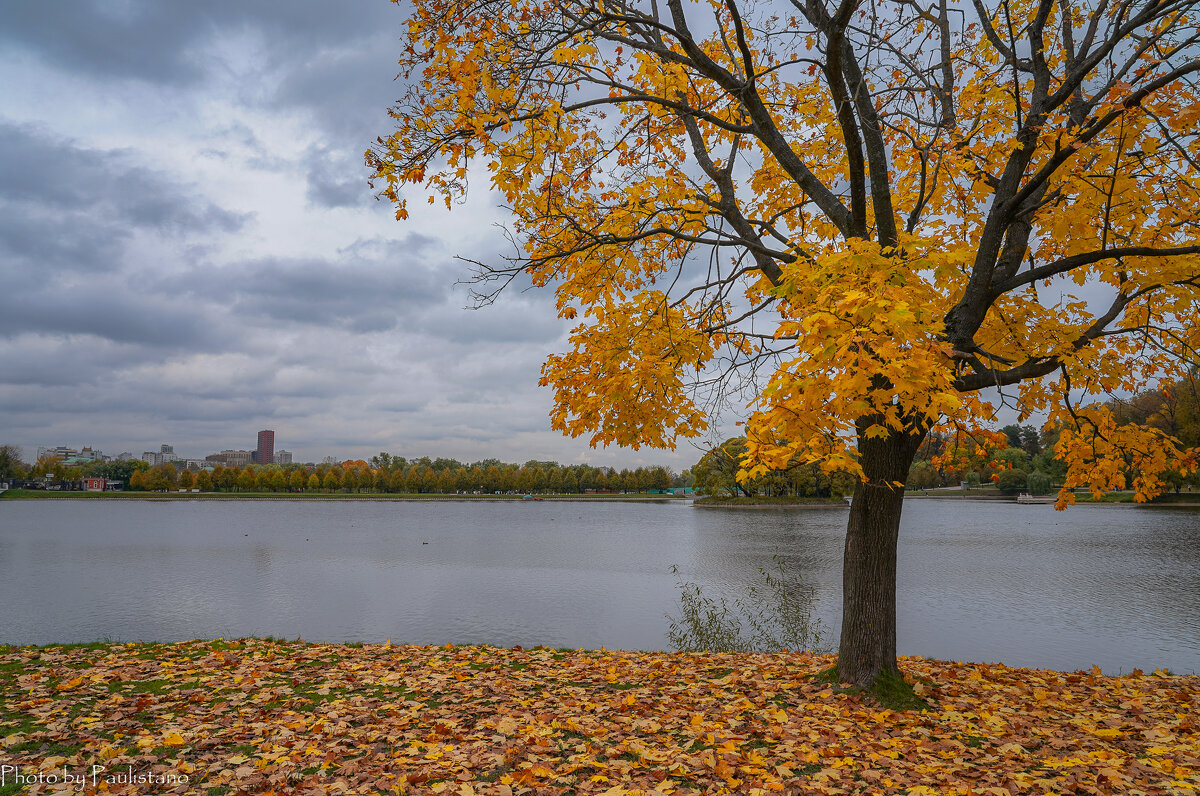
(41, 172)
(107, 311)
(137, 307)
(336, 179)
(68, 215)
(155, 42)
(382, 291)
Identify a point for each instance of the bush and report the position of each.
(1012, 480)
(775, 615)
(1038, 483)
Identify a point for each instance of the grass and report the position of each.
(39, 494)
(890, 690)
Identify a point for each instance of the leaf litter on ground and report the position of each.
(264, 716)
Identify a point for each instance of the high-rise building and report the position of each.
(266, 448)
(283, 457)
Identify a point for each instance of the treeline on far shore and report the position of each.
(381, 474)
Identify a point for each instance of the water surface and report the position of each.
(1025, 585)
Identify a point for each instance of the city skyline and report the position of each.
(191, 246)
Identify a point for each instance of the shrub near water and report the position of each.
(775, 615)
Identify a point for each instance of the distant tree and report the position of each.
(273, 479)
(226, 478)
(1012, 480)
(247, 481)
(162, 477)
(922, 476)
(11, 465)
(313, 483)
(1012, 458)
(204, 481)
(967, 453)
(332, 480)
(1038, 483)
(296, 480)
(117, 470)
(187, 479)
(716, 472)
(44, 466)
(1023, 437)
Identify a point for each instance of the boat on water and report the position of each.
(1025, 497)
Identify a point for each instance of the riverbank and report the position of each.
(251, 715)
(1187, 500)
(50, 494)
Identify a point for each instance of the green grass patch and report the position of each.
(156, 687)
(44, 749)
(890, 690)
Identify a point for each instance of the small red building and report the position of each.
(95, 484)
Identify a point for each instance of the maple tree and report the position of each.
(862, 213)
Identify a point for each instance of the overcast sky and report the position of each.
(190, 252)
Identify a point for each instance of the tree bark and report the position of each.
(868, 642)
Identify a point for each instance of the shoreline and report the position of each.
(309, 496)
(21, 495)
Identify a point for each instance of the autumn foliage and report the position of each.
(254, 716)
(629, 144)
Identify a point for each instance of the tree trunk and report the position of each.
(868, 643)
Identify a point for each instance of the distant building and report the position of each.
(61, 452)
(164, 454)
(95, 484)
(231, 458)
(283, 457)
(266, 447)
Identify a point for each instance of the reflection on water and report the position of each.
(978, 581)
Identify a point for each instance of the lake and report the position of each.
(1117, 587)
